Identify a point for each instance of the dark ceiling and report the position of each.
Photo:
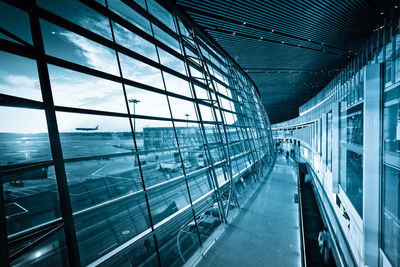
(291, 49)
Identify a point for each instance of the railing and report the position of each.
(344, 256)
(302, 237)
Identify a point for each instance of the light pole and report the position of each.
(187, 120)
(134, 101)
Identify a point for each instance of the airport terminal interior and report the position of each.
(200, 133)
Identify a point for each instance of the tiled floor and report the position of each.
(266, 231)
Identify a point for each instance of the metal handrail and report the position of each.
(338, 239)
(303, 241)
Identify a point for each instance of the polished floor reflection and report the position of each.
(266, 231)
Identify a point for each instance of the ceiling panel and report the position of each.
(291, 49)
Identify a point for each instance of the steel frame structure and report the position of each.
(252, 128)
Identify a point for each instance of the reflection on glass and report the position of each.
(138, 71)
(80, 14)
(351, 177)
(207, 215)
(329, 140)
(50, 252)
(134, 42)
(352, 125)
(129, 14)
(391, 215)
(70, 46)
(104, 228)
(143, 251)
(171, 61)
(160, 13)
(166, 38)
(177, 239)
(30, 197)
(391, 122)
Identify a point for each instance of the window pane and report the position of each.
(191, 145)
(106, 227)
(50, 252)
(391, 122)
(140, 252)
(67, 45)
(151, 104)
(89, 135)
(329, 140)
(16, 22)
(80, 14)
(182, 108)
(161, 13)
(163, 161)
(207, 215)
(138, 71)
(30, 197)
(176, 244)
(134, 42)
(391, 215)
(176, 85)
(74, 89)
(130, 15)
(352, 125)
(166, 38)
(19, 77)
(23, 136)
(171, 61)
(351, 177)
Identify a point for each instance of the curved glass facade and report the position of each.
(126, 136)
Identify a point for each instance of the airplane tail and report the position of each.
(97, 127)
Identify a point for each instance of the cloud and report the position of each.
(20, 85)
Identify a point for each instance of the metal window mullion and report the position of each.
(177, 140)
(134, 137)
(54, 138)
(227, 153)
(207, 147)
(233, 73)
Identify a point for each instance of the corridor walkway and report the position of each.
(266, 231)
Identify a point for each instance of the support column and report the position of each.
(335, 147)
(323, 132)
(371, 162)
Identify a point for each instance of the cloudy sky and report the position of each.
(18, 75)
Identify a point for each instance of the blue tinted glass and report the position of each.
(19, 77)
(15, 21)
(67, 45)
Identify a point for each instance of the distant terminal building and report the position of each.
(164, 137)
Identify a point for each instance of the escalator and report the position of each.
(312, 222)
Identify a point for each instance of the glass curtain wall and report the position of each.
(125, 138)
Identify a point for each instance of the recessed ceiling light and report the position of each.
(234, 33)
(244, 23)
(283, 42)
(381, 13)
(272, 30)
